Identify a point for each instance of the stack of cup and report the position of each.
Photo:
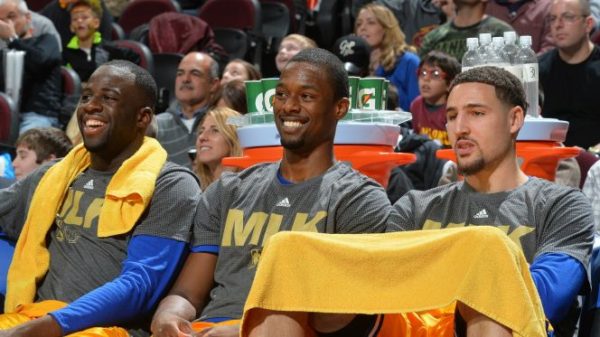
(259, 98)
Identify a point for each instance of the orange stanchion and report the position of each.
(375, 161)
(538, 158)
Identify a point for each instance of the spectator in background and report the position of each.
(355, 54)
(238, 69)
(290, 46)
(58, 12)
(37, 146)
(470, 21)
(570, 73)
(41, 87)
(233, 96)
(436, 71)
(217, 139)
(527, 17)
(416, 17)
(391, 56)
(40, 25)
(87, 49)
(196, 85)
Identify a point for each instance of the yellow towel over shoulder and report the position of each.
(127, 196)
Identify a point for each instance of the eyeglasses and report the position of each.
(431, 74)
(565, 17)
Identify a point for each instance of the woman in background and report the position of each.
(391, 56)
(238, 69)
(216, 139)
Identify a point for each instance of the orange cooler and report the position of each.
(368, 147)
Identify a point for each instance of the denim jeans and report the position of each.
(30, 120)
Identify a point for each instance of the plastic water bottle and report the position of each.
(511, 49)
(471, 57)
(485, 41)
(496, 56)
(510, 46)
(527, 58)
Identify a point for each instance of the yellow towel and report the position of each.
(398, 273)
(127, 195)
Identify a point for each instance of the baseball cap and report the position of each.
(354, 52)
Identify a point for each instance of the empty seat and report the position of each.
(139, 12)
(144, 53)
(117, 32)
(71, 91)
(165, 73)
(9, 120)
(234, 41)
(275, 23)
(246, 16)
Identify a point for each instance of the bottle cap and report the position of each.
(498, 41)
(525, 40)
(510, 37)
(485, 39)
(472, 43)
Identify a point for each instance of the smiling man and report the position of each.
(94, 248)
(308, 190)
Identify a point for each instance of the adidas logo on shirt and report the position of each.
(283, 203)
(89, 185)
(481, 214)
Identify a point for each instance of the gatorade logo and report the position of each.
(269, 96)
(258, 102)
(367, 98)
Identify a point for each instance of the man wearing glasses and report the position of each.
(570, 73)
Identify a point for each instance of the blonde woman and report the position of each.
(216, 139)
(290, 46)
(391, 56)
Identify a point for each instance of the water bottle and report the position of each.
(510, 46)
(527, 58)
(471, 58)
(496, 56)
(485, 41)
(511, 49)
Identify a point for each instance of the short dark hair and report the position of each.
(143, 80)
(509, 89)
(449, 64)
(330, 64)
(45, 142)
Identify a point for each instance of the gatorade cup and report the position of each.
(268, 88)
(353, 91)
(384, 96)
(254, 96)
(370, 93)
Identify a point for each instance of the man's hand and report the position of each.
(169, 325)
(220, 331)
(7, 30)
